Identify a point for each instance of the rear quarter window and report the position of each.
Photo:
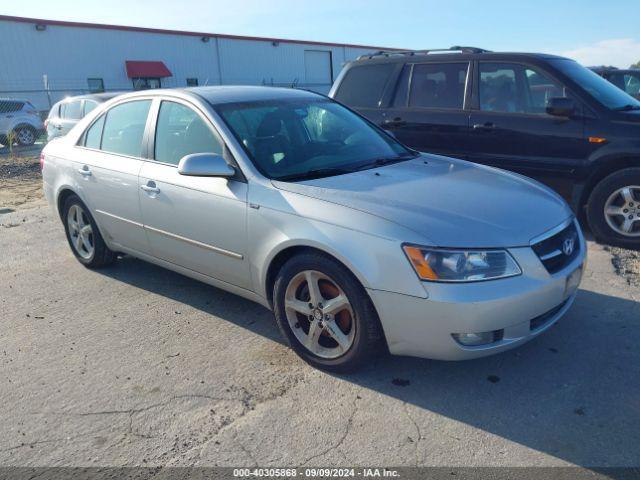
(363, 85)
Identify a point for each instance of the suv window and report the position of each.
(181, 131)
(539, 89)
(629, 82)
(438, 85)
(124, 128)
(363, 86)
(10, 106)
(71, 110)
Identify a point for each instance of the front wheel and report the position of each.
(613, 209)
(325, 314)
(83, 235)
(25, 136)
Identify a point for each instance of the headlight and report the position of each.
(444, 265)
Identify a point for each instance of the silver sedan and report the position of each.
(357, 243)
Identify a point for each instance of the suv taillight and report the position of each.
(41, 161)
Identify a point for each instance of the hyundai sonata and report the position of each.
(292, 200)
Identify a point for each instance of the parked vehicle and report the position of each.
(543, 116)
(294, 201)
(627, 80)
(66, 113)
(19, 120)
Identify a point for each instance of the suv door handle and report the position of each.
(487, 126)
(396, 122)
(84, 171)
(150, 187)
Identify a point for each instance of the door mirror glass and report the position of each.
(561, 106)
(205, 165)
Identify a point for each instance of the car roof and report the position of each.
(98, 97)
(222, 94)
(420, 57)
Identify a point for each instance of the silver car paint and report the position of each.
(361, 219)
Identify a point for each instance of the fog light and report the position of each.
(475, 339)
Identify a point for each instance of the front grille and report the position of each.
(558, 250)
(541, 320)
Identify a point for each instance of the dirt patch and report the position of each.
(20, 182)
(626, 263)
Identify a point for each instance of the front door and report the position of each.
(511, 129)
(428, 109)
(107, 166)
(199, 223)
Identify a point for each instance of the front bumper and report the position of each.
(518, 308)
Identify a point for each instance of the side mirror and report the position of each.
(205, 165)
(561, 106)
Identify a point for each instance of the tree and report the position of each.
(635, 65)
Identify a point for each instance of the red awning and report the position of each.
(137, 68)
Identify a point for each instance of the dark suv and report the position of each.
(542, 116)
(627, 80)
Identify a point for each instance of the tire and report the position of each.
(612, 194)
(99, 254)
(25, 135)
(358, 323)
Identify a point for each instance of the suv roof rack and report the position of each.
(456, 48)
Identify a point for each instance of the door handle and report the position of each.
(84, 171)
(150, 187)
(396, 122)
(487, 126)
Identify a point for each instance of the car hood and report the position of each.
(452, 203)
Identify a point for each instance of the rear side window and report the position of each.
(438, 85)
(93, 137)
(72, 110)
(363, 86)
(10, 106)
(124, 128)
(181, 131)
(88, 106)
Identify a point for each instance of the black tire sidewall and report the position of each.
(367, 334)
(99, 247)
(595, 208)
(31, 129)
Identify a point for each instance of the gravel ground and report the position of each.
(627, 264)
(134, 365)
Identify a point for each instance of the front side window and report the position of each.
(124, 128)
(308, 138)
(364, 85)
(438, 85)
(539, 88)
(181, 131)
(498, 89)
(597, 87)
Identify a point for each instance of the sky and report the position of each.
(594, 32)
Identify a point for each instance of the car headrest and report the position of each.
(270, 126)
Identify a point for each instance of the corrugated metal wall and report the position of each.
(69, 55)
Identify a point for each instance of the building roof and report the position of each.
(64, 23)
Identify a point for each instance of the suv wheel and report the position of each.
(83, 235)
(613, 209)
(25, 136)
(325, 314)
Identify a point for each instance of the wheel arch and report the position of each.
(603, 170)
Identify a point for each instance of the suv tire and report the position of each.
(608, 195)
(89, 247)
(25, 135)
(357, 324)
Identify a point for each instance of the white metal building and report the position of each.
(46, 60)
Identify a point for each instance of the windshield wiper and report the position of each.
(379, 162)
(315, 173)
(626, 108)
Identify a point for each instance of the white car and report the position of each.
(22, 119)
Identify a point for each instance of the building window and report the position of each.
(192, 82)
(96, 85)
(146, 83)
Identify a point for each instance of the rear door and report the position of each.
(510, 128)
(199, 223)
(107, 164)
(428, 109)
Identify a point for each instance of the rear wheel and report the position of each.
(325, 314)
(613, 209)
(25, 135)
(83, 235)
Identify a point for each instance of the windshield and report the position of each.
(308, 138)
(603, 91)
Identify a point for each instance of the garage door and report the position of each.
(317, 69)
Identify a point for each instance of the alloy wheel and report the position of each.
(80, 232)
(622, 211)
(319, 314)
(25, 136)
